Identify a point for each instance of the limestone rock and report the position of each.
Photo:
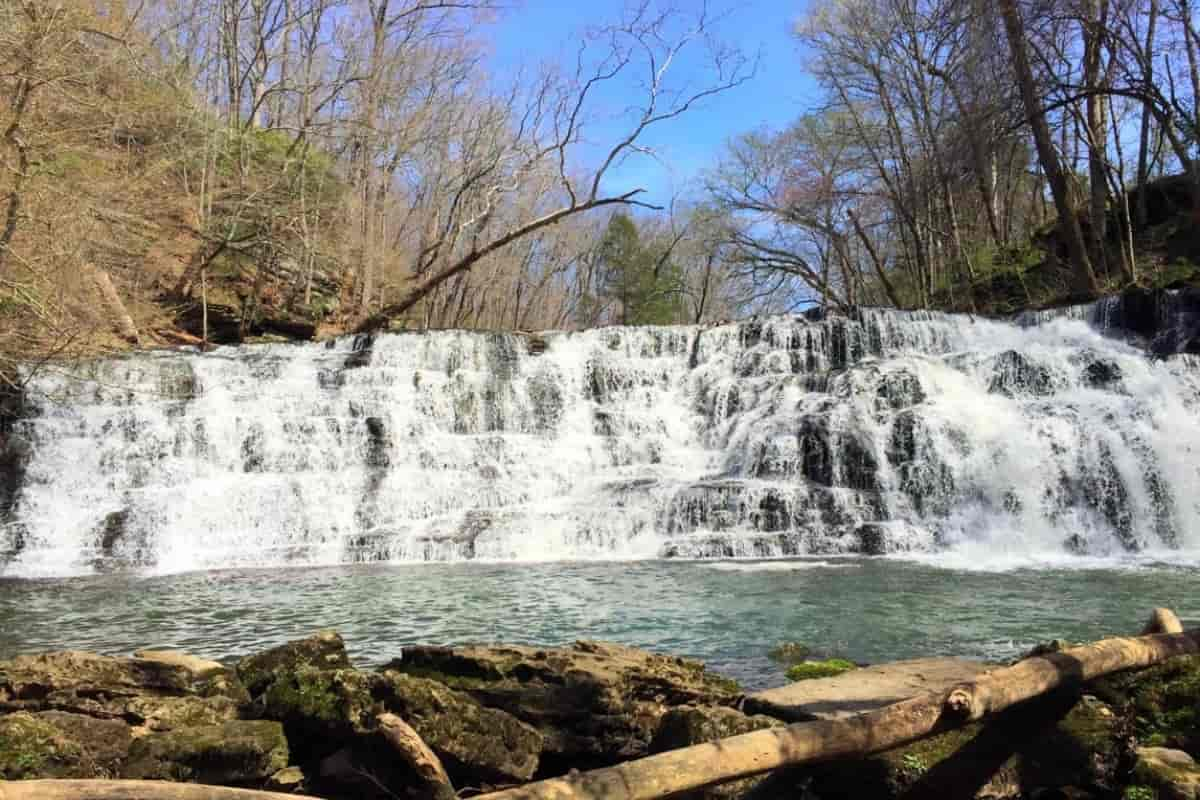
(863, 689)
(31, 747)
(1163, 702)
(1015, 374)
(688, 725)
(169, 713)
(321, 709)
(138, 691)
(1173, 774)
(198, 667)
(1054, 745)
(104, 742)
(71, 671)
(595, 703)
(233, 753)
(288, 779)
(476, 744)
(323, 650)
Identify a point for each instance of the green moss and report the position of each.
(1168, 779)
(334, 701)
(235, 752)
(324, 650)
(1139, 792)
(728, 685)
(807, 670)
(1163, 701)
(31, 748)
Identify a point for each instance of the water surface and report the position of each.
(727, 613)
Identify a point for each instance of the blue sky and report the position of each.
(534, 31)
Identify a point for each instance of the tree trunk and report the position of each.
(724, 760)
(875, 260)
(130, 790)
(416, 754)
(122, 322)
(1143, 168)
(1097, 129)
(1084, 276)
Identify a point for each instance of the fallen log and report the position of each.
(131, 790)
(416, 754)
(749, 754)
(1162, 620)
(121, 320)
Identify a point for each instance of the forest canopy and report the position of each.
(218, 169)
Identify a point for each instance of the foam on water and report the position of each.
(892, 432)
(788, 565)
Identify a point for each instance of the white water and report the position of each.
(989, 440)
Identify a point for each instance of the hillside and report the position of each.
(138, 213)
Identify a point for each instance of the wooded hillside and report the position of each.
(176, 171)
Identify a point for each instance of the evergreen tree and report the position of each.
(639, 277)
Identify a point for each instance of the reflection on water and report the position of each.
(728, 615)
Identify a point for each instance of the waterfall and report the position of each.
(880, 433)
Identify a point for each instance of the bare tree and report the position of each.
(551, 125)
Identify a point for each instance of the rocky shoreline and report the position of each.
(301, 718)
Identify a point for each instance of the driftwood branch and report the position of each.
(753, 753)
(416, 754)
(131, 790)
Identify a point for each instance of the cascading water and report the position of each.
(891, 431)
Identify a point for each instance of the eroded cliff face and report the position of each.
(880, 432)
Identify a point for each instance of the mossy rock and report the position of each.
(1163, 702)
(321, 709)
(137, 690)
(336, 701)
(56, 744)
(789, 653)
(241, 752)
(87, 674)
(324, 651)
(596, 703)
(688, 725)
(169, 713)
(1170, 774)
(1051, 744)
(31, 747)
(476, 744)
(807, 670)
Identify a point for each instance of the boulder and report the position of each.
(1163, 702)
(594, 703)
(1014, 374)
(139, 691)
(322, 703)
(288, 780)
(323, 650)
(168, 713)
(36, 747)
(1171, 774)
(863, 689)
(476, 744)
(1102, 374)
(105, 742)
(1055, 746)
(199, 668)
(241, 752)
(688, 725)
